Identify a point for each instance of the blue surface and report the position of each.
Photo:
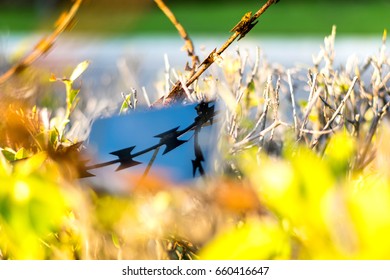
(139, 129)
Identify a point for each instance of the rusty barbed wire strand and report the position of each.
(246, 23)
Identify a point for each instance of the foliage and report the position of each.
(33, 207)
(327, 212)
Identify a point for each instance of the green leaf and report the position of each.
(9, 154)
(125, 104)
(54, 136)
(72, 95)
(80, 68)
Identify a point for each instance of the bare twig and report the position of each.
(146, 96)
(241, 71)
(243, 143)
(186, 89)
(275, 105)
(44, 45)
(263, 118)
(166, 74)
(293, 102)
(310, 106)
(266, 109)
(318, 132)
(334, 109)
(149, 166)
(256, 67)
(189, 46)
(338, 110)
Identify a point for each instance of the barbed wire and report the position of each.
(170, 139)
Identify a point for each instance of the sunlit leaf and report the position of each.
(21, 154)
(80, 68)
(30, 165)
(370, 209)
(254, 240)
(125, 103)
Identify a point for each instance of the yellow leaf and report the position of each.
(370, 211)
(21, 154)
(30, 165)
(255, 240)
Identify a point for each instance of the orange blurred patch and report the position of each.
(152, 183)
(235, 196)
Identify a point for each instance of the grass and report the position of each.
(286, 18)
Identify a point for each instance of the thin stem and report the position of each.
(147, 169)
(310, 106)
(293, 102)
(338, 110)
(244, 142)
(189, 46)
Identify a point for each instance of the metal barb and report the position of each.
(170, 139)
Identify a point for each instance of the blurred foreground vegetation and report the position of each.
(303, 174)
